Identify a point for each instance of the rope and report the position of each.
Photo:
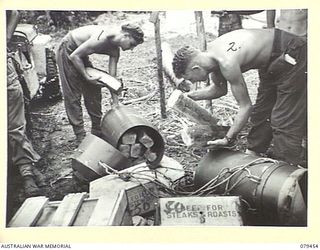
(225, 175)
(213, 184)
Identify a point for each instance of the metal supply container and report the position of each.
(93, 154)
(122, 120)
(273, 189)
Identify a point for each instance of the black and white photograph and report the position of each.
(168, 118)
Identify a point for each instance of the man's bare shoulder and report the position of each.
(241, 37)
(92, 29)
(247, 48)
(243, 34)
(83, 33)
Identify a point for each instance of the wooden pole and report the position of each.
(167, 58)
(154, 18)
(203, 45)
(200, 30)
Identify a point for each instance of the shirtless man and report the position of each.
(72, 59)
(290, 20)
(281, 113)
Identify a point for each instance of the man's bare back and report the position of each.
(99, 38)
(249, 49)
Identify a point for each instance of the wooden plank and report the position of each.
(119, 209)
(102, 211)
(29, 212)
(68, 209)
(47, 214)
(201, 211)
(85, 212)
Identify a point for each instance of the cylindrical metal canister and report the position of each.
(91, 153)
(122, 119)
(270, 188)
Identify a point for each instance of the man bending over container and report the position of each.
(72, 59)
(280, 109)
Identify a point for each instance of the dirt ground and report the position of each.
(52, 135)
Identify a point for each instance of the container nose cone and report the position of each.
(275, 190)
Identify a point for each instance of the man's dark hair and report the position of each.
(181, 60)
(135, 31)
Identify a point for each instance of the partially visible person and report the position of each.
(72, 59)
(280, 109)
(294, 21)
(230, 20)
(20, 151)
(291, 20)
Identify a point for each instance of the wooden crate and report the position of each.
(201, 211)
(112, 201)
(74, 210)
(142, 193)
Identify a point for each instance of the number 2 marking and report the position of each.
(232, 44)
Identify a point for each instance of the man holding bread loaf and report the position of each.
(76, 81)
(280, 111)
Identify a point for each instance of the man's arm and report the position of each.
(113, 62)
(85, 49)
(213, 91)
(240, 92)
(217, 89)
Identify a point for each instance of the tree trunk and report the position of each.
(155, 19)
(203, 46)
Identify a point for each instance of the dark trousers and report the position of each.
(74, 86)
(280, 111)
(20, 151)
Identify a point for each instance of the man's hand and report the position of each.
(184, 86)
(95, 80)
(115, 99)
